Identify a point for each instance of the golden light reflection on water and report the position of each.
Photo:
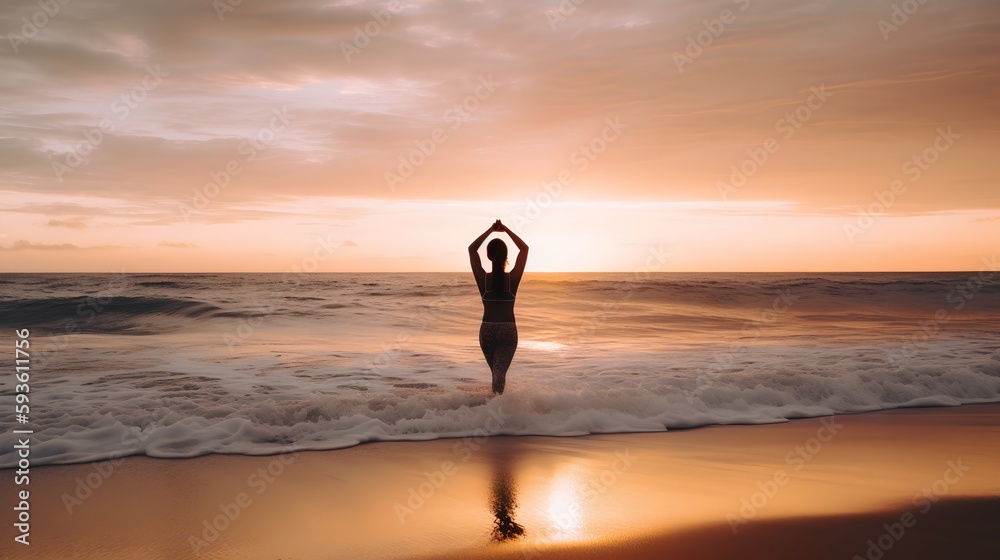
(547, 506)
(540, 505)
(564, 509)
(544, 345)
(585, 497)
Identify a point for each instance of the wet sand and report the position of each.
(919, 483)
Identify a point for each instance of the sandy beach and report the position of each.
(914, 483)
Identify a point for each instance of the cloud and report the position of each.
(348, 243)
(77, 223)
(177, 245)
(58, 209)
(23, 245)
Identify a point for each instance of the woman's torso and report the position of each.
(498, 305)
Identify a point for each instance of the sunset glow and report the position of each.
(372, 136)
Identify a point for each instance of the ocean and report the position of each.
(182, 365)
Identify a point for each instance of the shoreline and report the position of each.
(631, 495)
(676, 429)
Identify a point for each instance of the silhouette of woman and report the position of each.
(498, 334)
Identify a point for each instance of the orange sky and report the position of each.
(726, 135)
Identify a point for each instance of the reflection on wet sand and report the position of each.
(503, 502)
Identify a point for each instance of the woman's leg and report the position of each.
(487, 341)
(505, 345)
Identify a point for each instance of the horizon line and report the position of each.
(526, 272)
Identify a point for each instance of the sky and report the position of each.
(721, 135)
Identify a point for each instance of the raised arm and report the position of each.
(522, 258)
(476, 262)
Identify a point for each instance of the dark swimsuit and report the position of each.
(498, 339)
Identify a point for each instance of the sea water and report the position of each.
(180, 365)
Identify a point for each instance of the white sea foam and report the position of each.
(259, 406)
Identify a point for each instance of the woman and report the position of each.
(498, 334)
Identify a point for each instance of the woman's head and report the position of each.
(496, 251)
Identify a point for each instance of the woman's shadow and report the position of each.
(503, 501)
